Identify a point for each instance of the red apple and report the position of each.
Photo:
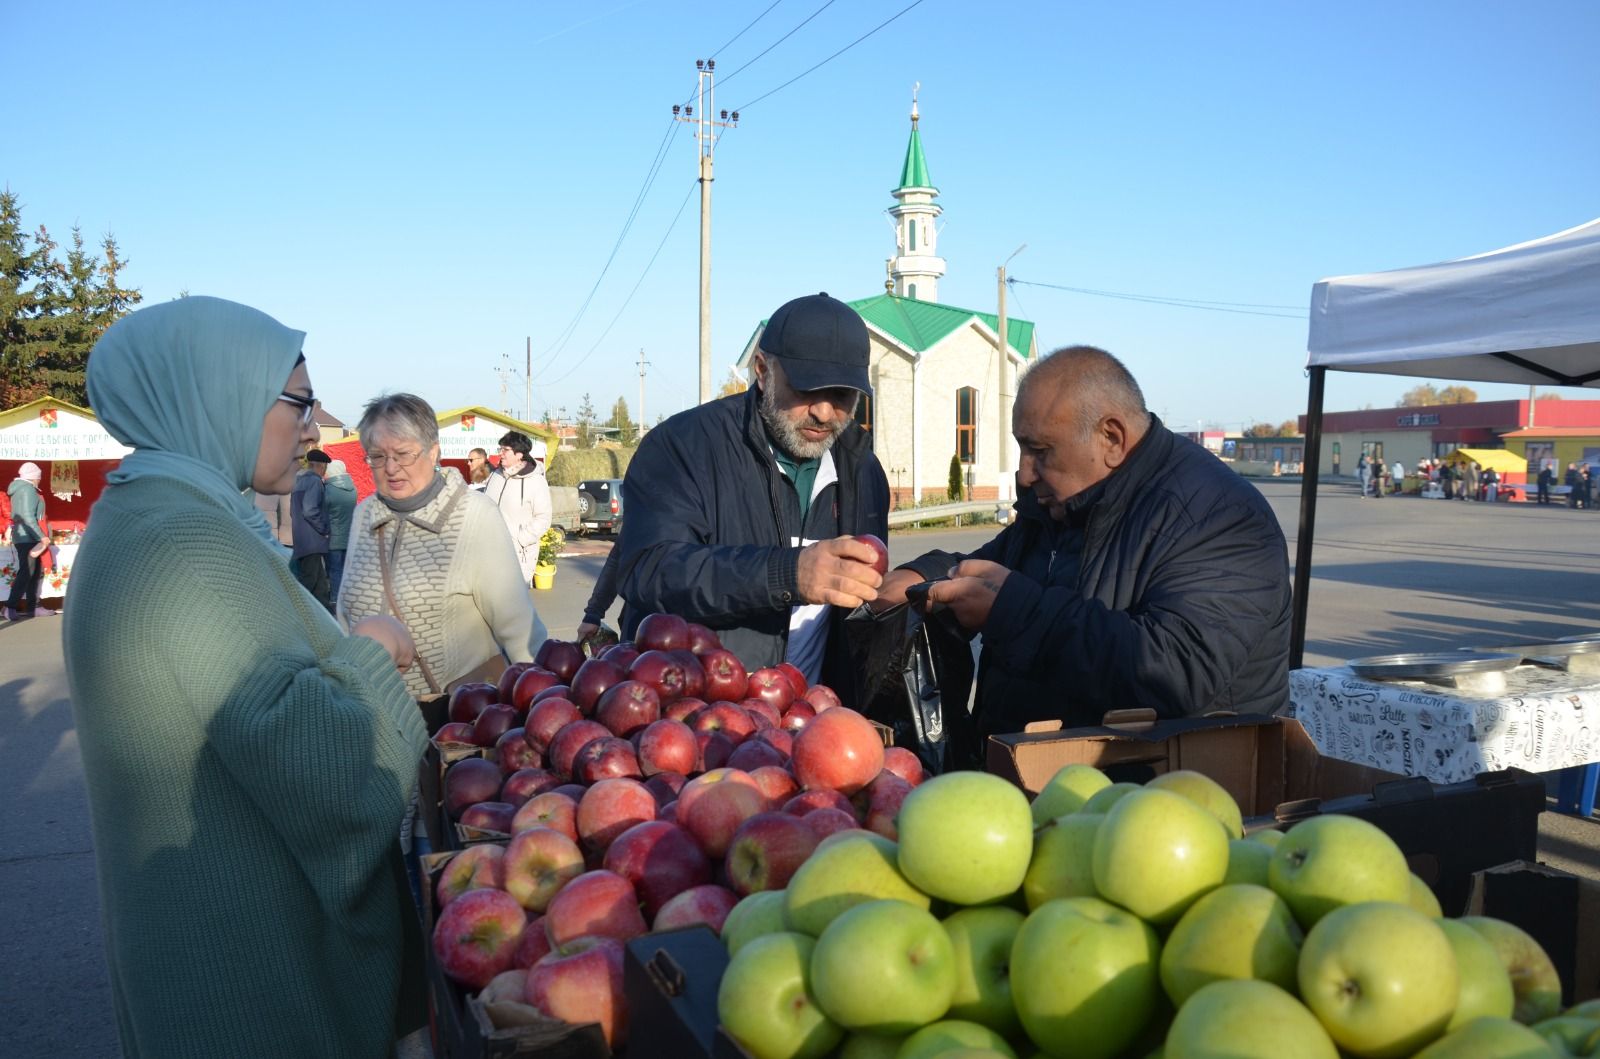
(477, 936)
(526, 783)
(828, 821)
(702, 639)
(709, 904)
(592, 680)
(714, 816)
(595, 903)
(575, 791)
(468, 700)
(661, 632)
(767, 849)
(797, 679)
(662, 672)
(821, 697)
(725, 675)
(627, 707)
(712, 778)
(606, 759)
(838, 749)
(581, 982)
(622, 653)
(694, 674)
(726, 717)
(551, 809)
(608, 809)
(682, 709)
(667, 746)
(822, 798)
(776, 784)
(547, 718)
(777, 737)
(772, 685)
(880, 549)
(494, 722)
(762, 713)
(529, 683)
(661, 860)
(571, 739)
(560, 657)
(903, 763)
(533, 946)
(514, 752)
(560, 691)
(753, 754)
(797, 716)
(714, 749)
(469, 781)
(489, 816)
(479, 867)
(455, 733)
(508, 680)
(538, 863)
(882, 798)
(665, 786)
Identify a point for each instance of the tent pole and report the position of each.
(1309, 472)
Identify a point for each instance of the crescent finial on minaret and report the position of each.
(915, 88)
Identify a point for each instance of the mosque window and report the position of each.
(911, 291)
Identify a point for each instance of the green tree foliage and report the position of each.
(1426, 394)
(1290, 428)
(954, 487)
(627, 431)
(734, 383)
(52, 311)
(585, 438)
(1261, 430)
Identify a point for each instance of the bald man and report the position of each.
(1140, 571)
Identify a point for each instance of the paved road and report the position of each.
(1391, 575)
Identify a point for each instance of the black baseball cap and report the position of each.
(822, 343)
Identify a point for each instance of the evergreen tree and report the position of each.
(17, 307)
(953, 487)
(627, 430)
(585, 437)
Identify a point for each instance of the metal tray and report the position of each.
(1441, 666)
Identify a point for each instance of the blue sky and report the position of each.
(419, 187)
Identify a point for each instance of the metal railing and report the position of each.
(912, 515)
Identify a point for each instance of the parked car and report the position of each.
(600, 505)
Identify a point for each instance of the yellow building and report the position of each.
(1555, 447)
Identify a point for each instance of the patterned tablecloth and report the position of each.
(53, 585)
(1545, 719)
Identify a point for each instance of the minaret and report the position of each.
(916, 267)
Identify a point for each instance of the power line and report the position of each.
(829, 59)
(780, 40)
(1179, 303)
(747, 29)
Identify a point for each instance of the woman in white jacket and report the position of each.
(522, 494)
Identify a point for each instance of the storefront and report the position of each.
(1556, 447)
(1411, 435)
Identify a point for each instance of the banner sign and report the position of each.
(58, 434)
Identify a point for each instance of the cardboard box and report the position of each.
(462, 1028)
(1560, 910)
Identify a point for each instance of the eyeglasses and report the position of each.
(308, 406)
(399, 459)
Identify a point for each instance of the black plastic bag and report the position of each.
(914, 674)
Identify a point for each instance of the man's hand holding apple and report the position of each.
(839, 572)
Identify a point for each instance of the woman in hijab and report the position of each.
(27, 531)
(248, 763)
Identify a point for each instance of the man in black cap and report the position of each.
(742, 512)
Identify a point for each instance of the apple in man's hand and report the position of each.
(881, 551)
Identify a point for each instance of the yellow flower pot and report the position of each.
(544, 577)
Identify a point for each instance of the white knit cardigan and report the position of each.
(456, 579)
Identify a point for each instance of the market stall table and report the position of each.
(53, 583)
(1545, 720)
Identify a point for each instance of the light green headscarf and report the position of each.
(186, 384)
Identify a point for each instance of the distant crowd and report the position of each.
(1467, 481)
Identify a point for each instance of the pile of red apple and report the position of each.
(1112, 919)
(648, 788)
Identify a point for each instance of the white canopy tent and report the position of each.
(1528, 314)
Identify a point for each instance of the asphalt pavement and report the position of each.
(1397, 574)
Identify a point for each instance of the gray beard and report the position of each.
(788, 436)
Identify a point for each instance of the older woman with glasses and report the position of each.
(248, 764)
(435, 554)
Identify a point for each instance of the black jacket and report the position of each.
(1178, 599)
(710, 524)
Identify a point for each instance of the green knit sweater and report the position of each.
(248, 767)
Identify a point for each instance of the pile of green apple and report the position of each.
(1110, 920)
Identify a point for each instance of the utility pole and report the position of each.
(505, 371)
(706, 135)
(642, 363)
(1006, 477)
(528, 379)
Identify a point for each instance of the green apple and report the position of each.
(982, 939)
(758, 914)
(1103, 799)
(1239, 931)
(765, 1001)
(1333, 860)
(1205, 792)
(848, 869)
(1380, 977)
(1589, 1009)
(1247, 862)
(953, 1036)
(871, 1046)
(1066, 791)
(1156, 853)
(1488, 1038)
(1246, 1019)
(1063, 860)
(1569, 1035)
(1267, 836)
(965, 837)
(1084, 976)
(884, 967)
(1534, 981)
(1423, 898)
(1485, 985)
